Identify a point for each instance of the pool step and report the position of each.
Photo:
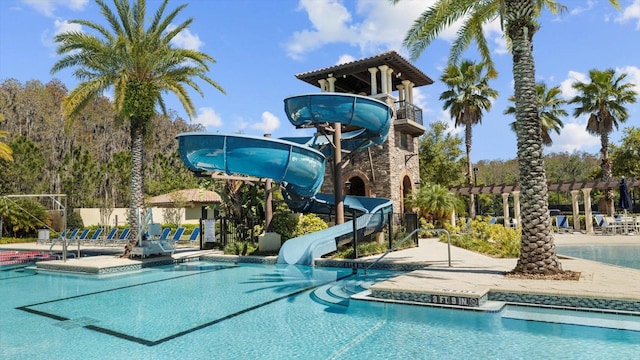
(572, 317)
(338, 294)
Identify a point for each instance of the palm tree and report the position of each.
(434, 202)
(468, 96)
(5, 151)
(519, 18)
(549, 108)
(139, 65)
(603, 99)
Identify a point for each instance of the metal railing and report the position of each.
(409, 237)
(408, 111)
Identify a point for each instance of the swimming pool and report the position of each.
(622, 255)
(205, 310)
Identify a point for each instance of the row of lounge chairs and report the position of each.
(604, 224)
(118, 236)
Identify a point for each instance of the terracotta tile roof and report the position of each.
(355, 77)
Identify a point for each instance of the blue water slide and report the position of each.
(301, 167)
(368, 119)
(370, 215)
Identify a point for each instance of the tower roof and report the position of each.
(354, 77)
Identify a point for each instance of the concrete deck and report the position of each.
(473, 273)
(470, 274)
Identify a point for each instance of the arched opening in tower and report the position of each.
(355, 186)
(407, 189)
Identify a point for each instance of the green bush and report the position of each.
(74, 221)
(290, 225)
(490, 239)
(309, 223)
(240, 248)
(284, 224)
(364, 249)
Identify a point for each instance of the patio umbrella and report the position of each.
(625, 200)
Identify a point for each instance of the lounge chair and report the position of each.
(111, 236)
(178, 234)
(195, 235)
(124, 235)
(610, 226)
(95, 237)
(79, 238)
(562, 224)
(165, 234)
(493, 220)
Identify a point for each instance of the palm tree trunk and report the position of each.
(607, 172)
(136, 211)
(537, 251)
(467, 142)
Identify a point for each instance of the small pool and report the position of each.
(621, 255)
(207, 310)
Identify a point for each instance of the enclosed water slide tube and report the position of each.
(298, 166)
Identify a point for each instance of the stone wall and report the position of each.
(382, 167)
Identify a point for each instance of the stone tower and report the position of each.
(389, 170)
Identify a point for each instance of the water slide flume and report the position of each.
(300, 167)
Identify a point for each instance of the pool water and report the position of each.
(621, 255)
(207, 310)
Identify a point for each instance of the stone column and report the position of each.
(323, 85)
(374, 83)
(383, 78)
(390, 80)
(505, 208)
(400, 92)
(586, 194)
(576, 209)
(332, 82)
(516, 207)
(410, 93)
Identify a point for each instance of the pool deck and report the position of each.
(471, 275)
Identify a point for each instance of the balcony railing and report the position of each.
(408, 111)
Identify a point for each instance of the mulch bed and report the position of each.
(565, 275)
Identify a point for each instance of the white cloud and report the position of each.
(577, 10)
(633, 76)
(631, 13)
(268, 124)
(568, 91)
(186, 40)
(329, 20)
(574, 137)
(375, 27)
(61, 26)
(346, 58)
(208, 117)
(48, 7)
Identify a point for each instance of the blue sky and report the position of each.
(259, 46)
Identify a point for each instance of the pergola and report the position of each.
(572, 186)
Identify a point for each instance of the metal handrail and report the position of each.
(408, 237)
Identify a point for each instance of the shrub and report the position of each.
(284, 224)
(309, 223)
(490, 239)
(74, 221)
(240, 248)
